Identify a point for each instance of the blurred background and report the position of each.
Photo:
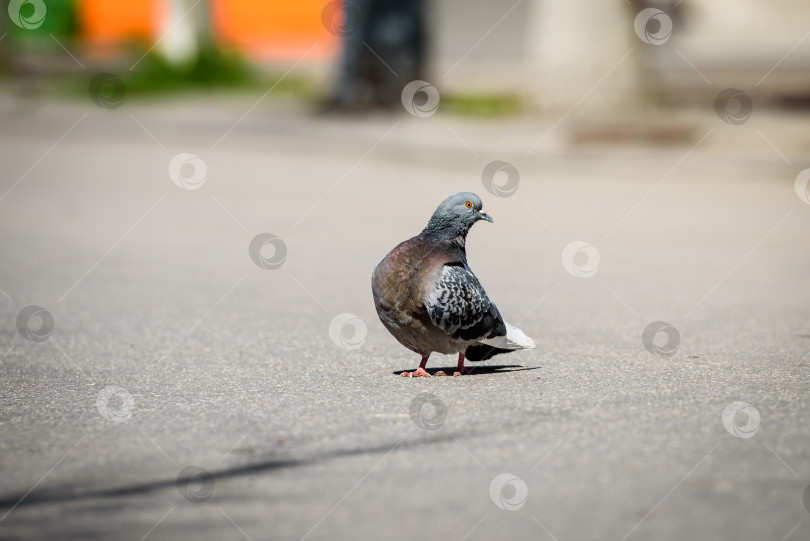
(193, 194)
(484, 57)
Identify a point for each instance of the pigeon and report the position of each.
(428, 298)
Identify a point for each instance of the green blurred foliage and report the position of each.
(61, 20)
(210, 68)
(481, 105)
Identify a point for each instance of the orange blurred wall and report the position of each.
(107, 23)
(274, 29)
(268, 30)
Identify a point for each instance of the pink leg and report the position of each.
(461, 370)
(419, 372)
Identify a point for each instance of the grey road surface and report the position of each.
(185, 392)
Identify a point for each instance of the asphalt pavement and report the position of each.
(203, 359)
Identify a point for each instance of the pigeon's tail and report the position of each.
(513, 340)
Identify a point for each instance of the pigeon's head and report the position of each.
(457, 214)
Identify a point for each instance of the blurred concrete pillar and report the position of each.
(579, 48)
(184, 26)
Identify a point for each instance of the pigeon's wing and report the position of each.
(459, 306)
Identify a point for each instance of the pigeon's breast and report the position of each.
(400, 283)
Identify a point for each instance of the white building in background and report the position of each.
(557, 51)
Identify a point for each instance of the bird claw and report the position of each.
(418, 373)
(456, 373)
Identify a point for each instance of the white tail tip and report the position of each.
(514, 339)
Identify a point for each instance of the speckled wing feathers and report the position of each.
(459, 306)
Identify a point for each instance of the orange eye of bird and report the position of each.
(469, 205)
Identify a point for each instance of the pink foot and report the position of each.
(418, 373)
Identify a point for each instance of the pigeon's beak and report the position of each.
(485, 216)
